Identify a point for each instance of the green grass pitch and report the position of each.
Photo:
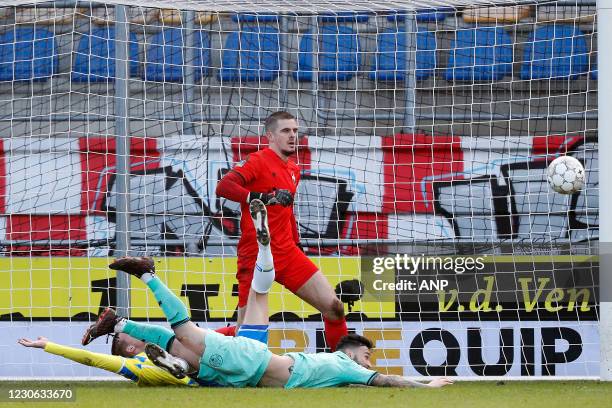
(556, 394)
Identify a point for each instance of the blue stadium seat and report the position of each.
(555, 51)
(480, 54)
(390, 61)
(95, 58)
(27, 53)
(433, 15)
(344, 17)
(424, 15)
(595, 74)
(339, 57)
(255, 18)
(165, 60)
(251, 54)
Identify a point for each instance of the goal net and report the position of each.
(426, 128)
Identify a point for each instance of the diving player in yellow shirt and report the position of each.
(128, 360)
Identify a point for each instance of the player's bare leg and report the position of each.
(187, 333)
(318, 292)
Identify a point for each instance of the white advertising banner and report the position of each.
(466, 349)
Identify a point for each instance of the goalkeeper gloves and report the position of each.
(282, 197)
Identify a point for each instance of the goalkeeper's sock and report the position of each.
(149, 333)
(263, 275)
(173, 308)
(334, 331)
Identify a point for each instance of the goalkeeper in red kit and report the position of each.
(270, 175)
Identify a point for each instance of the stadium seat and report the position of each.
(255, 18)
(493, 15)
(165, 61)
(251, 54)
(595, 74)
(390, 61)
(579, 13)
(174, 17)
(339, 57)
(95, 58)
(27, 53)
(555, 51)
(480, 54)
(344, 17)
(433, 15)
(424, 15)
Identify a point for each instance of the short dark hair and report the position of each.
(353, 340)
(271, 120)
(118, 347)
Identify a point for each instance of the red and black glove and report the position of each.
(281, 197)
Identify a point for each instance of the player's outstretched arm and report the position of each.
(104, 361)
(383, 380)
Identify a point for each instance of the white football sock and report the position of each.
(146, 277)
(263, 275)
(120, 326)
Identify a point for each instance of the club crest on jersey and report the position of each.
(293, 177)
(215, 361)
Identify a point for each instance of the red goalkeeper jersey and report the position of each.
(263, 172)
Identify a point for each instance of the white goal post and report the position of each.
(604, 61)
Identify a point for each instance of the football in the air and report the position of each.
(566, 175)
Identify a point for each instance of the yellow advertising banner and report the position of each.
(62, 288)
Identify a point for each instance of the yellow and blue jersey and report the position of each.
(138, 368)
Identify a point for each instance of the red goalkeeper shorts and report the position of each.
(293, 269)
